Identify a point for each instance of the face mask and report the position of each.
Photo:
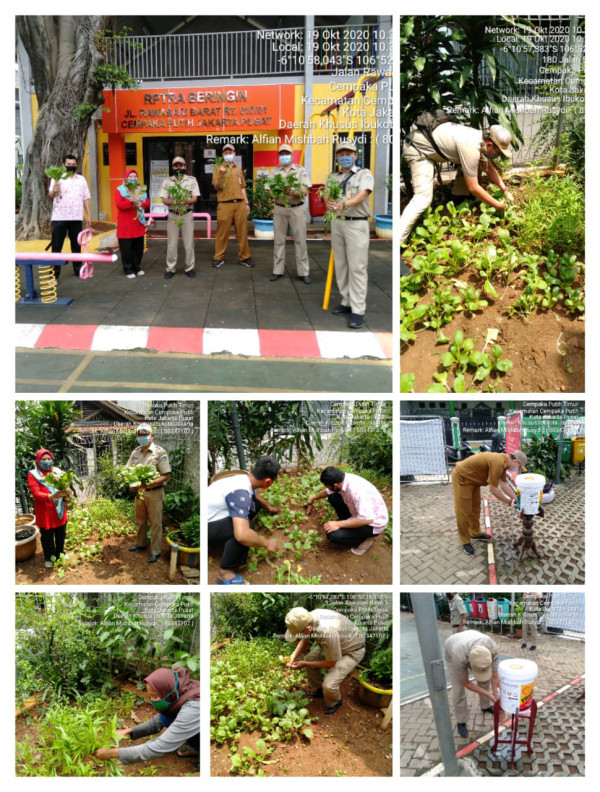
(144, 440)
(46, 464)
(133, 179)
(285, 159)
(178, 172)
(71, 168)
(162, 704)
(346, 161)
(228, 157)
(493, 156)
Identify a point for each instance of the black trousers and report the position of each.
(132, 250)
(220, 534)
(60, 229)
(53, 541)
(348, 537)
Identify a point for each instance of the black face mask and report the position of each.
(178, 172)
(71, 168)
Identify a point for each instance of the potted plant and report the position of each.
(187, 540)
(261, 208)
(384, 223)
(26, 533)
(375, 688)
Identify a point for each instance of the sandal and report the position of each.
(362, 551)
(238, 579)
(186, 751)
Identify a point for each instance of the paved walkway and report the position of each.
(560, 661)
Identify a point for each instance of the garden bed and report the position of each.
(301, 529)
(99, 534)
(245, 675)
(519, 274)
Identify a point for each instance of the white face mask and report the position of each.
(229, 157)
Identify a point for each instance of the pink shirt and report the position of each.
(364, 501)
(68, 205)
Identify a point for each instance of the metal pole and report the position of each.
(426, 623)
(560, 442)
(238, 435)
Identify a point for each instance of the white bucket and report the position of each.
(492, 606)
(530, 489)
(516, 684)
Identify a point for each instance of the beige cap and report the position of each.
(285, 147)
(179, 159)
(349, 145)
(296, 621)
(501, 137)
(143, 429)
(521, 458)
(228, 146)
(480, 660)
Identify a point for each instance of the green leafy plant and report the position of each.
(62, 482)
(188, 532)
(381, 668)
(260, 199)
(179, 195)
(332, 191)
(286, 575)
(136, 475)
(57, 172)
(280, 186)
(542, 453)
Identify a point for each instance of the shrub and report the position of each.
(381, 669)
(370, 450)
(542, 453)
(248, 615)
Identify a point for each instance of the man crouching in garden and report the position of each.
(360, 508)
(340, 648)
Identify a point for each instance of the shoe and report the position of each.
(468, 549)
(341, 309)
(315, 693)
(169, 274)
(131, 275)
(136, 547)
(355, 321)
(140, 272)
(151, 559)
(490, 710)
(218, 263)
(234, 581)
(275, 277)
(48, 564)
(190, 273)
(523, 646)
(335, 708)
(531, 648)
(462, 729)
(247, 263)
(305, 279)
(484, 537)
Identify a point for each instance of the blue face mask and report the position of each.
(46, 464)
(162, 704)
(133, 179)
(144, 440)
(346, 161)
(285, 159)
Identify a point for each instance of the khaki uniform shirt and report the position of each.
(458, 647)
(301, 175)
(229, 185)
(459, 144)
(189, 182)
(482, 469)
(457, 609)
(361, 179)
(151, 455)
(335, 633)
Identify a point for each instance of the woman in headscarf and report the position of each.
(131, 222)
(176, 697)
(49, 506)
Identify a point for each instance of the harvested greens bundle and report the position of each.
(57, 172)
(136, 475)
(279, 184)
(61, 482)
(179, 195)
(331, 192)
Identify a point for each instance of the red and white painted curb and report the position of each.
(332, 345)
(490, 547)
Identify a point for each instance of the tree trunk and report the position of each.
(63, 52)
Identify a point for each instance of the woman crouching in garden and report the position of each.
(49, 506)
(176, 697)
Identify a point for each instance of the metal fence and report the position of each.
(247, 53)
(423, 449)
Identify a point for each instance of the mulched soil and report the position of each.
(348, 743)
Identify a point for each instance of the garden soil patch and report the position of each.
(115, 565)
(348, 743)
(335, 564)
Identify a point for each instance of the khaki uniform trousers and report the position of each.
(459, 693)
(187, 235)
(150, 509)
(350, 243)
(530, 630)
(228, 214)
(467, 508)
(334, 676)
(294, 217)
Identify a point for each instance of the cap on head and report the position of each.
(228, 146)
(178, 159)
(500, 136)
(296, 621)
(521, 458)
(345, 145)
(480, 661)
(143, 429)
(285, 147)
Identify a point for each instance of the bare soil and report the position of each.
(348, 743)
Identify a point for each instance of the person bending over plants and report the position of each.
(49, 504)
(232, 506)
(360, 508)
(340, 648)
(176, 697)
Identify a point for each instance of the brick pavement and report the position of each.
(559, 661)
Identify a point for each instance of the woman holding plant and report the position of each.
(132, 200)
(176, 698)
(49, 506)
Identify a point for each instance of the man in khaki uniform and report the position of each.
(458, 612)
(290, 213)
(340, 648)
(150, 507)
(350, 233)
(232, 208)
(530, 617)
(185, 216)
(473, 651)
(467, 478)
